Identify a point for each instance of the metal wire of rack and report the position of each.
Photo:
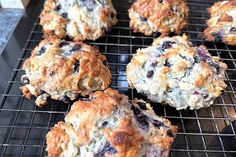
(205, 132)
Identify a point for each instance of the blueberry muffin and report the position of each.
(158, 16)
(63, 70)
(222, 24)
(173, 71)
(119, 129)
(77, 19)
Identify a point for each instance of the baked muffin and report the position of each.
(222, 24)
(158, 16)
(108, 125)
(77, 19)
(173, 71)
(63, 70)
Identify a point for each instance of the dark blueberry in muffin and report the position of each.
(58, 7)
(104, 124)
(157, 123)
(167, 64)
(63, 43)
(154, 64)
(76, 66)
(150, 74)
(64, 15)
(233, 29)
(205, 96)
(142, 119)
(160, 1)
(68, 38)
(143, 18)
(107, 149)
(25, 79)
(167, 45)
(216, 66)
(52, 73)
(202, 52)
(217, 36)
(41, 51)
(77, 47)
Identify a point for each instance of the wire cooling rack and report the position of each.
(206, 132)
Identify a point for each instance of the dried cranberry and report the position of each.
(150, 74)
(167, 45)
(196, 92)
(202, 52)
(77, 47)
(106, 149)
(76, 66)
(141, 118)
(205, 96)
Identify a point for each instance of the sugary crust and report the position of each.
(222, 24)
(64, 70)
(107, 117)
(58, 139)
(61, 19)
(151, 16)
(174, 72)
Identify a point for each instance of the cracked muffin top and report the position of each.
(77, 19)
(63, 70)
(158, 16)
(107, 124)
(222, 23)
(173, 71)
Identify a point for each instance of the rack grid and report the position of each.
(206, 132)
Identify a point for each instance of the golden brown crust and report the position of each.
(222, 24)
(163, 15)
(66, 19)
(108, 117)
(173, 71)
(57, 139)
(62, 71)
